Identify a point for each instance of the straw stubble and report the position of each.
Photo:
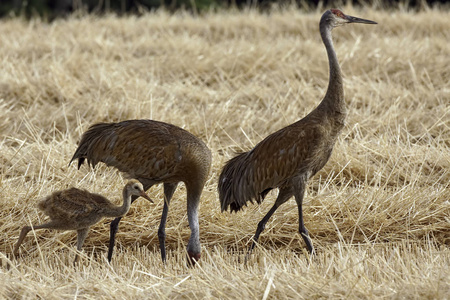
(378, 213)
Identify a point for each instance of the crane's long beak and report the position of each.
(351, 19)
(144, 195)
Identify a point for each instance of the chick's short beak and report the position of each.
(144, 195)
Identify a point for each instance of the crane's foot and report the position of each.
(193, 258)
(308, 243)
(162, 244)
(247, 257)
(163, 257)
(249, 252)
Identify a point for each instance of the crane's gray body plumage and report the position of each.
(147, 150)
(288, 158)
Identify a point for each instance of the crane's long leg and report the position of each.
(283, 195)
(193, 202)
(114, 227)
(26, 229)
(169, 189)
(81, 236)
(299, 192)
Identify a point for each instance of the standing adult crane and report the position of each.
(288, 158)
(152, 152)
(75, 209)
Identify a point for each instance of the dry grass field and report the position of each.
(378, 213)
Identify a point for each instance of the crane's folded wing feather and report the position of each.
(137, 147)
(270, 164)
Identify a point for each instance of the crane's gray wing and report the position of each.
(272, 163)
(280, 157)
(140, 148)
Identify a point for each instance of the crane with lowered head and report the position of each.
(152, 152)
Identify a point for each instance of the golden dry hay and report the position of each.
(378, 213)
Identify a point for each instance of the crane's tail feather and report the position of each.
(89, 141)
(80, 161)
(236, 185)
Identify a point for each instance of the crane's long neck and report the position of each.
(333, 102)
(119, 211)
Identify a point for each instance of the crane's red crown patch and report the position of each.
(338, 13)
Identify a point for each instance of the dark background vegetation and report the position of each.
(50, 9)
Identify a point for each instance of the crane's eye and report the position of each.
(136, 187)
